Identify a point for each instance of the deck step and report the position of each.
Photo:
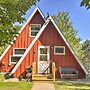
(40, 77)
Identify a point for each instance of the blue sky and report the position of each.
(79, 16)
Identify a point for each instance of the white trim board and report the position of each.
(38, 35)
(30, 46)
(67, 43)
(37, 9)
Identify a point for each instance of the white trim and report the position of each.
(35, 30)
(38, 35)
(5, 52)
(11, 61)
(37, 9)
(17, 54)
(47, 54)
(23, 28)
(59, 47)
(30, 46)
(67, 43)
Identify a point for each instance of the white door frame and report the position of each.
(39, 54)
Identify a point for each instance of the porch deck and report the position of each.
(43, 77)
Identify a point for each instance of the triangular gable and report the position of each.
(36, 38)
(37, 9)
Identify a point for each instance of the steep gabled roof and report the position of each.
(36, 38)
(37, 9)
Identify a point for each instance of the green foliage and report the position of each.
(86, 3)
(8, 35)
(12, 11)
(64, 23)
(86, 59)
(2, 77)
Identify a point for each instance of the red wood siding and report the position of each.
(50, 37)
(22, 41)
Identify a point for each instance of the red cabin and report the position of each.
(41, 41)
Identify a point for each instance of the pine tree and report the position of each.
(86, 59)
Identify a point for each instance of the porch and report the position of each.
(44, 76)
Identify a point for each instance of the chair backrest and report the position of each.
(67, 69)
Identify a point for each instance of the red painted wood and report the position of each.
(50, 37)
(22, 41)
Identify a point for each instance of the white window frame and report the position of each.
(13, 62)
(17, 54)
(34, 30)
(59, 47)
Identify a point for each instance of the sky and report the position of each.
(79, 16)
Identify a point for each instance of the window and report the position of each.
(59, 50)
(14, 59)
(19, 51)
(34, 29)
(44, 53)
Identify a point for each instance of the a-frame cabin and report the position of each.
(40, 41)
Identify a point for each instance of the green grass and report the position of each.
(15, 85)
(71, 86)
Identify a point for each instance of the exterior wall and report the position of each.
(22, 41)
(50, 37)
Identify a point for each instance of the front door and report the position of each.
(43, 59)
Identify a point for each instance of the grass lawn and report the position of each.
(71, 86)
(15, 85)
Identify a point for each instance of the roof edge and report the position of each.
(30, 46)
(37, 8)
(38, 35)
(67, 43)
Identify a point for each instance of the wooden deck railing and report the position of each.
(53, 70)
(33, 69)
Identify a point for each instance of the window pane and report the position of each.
(59, 50)
(43, 50)
(15, 58)
(20, 51)
(35, 27)
(43, 57)
(34, 33)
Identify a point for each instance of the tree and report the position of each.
(8, 36)
(12, 11)
(86, 3)
(86, 59)
(65, 25)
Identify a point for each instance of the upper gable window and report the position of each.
(34, 29)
